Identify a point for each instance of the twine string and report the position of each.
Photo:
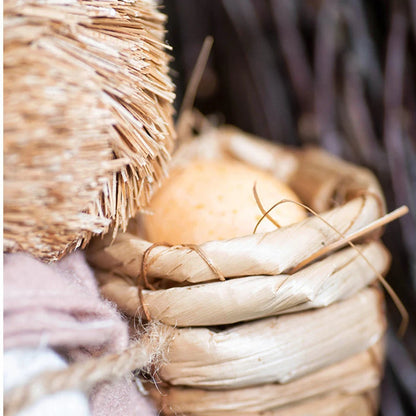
(148, 351)
(393, 295)
(262, 209)
(146, 262)
(142, 278)
(207, 260)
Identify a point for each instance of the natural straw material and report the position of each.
(364, 404)
(87, 119)
(276, 349)
(146, 354)
(357, 374)
(315, 312)
(327, 404)
(336, 277)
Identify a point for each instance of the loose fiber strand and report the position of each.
(396, 300)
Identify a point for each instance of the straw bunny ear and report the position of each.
(87, 119)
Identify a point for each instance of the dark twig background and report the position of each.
(337, 74)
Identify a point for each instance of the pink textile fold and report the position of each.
(59, 306)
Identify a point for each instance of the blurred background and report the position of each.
(337, 74)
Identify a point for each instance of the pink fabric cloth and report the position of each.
(59, 306)
(116, 399)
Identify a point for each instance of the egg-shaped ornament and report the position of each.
(214, 200)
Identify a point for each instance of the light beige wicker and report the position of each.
(294, 319)
(356, 375)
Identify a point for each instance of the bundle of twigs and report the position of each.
(287, 320)
(87, 120)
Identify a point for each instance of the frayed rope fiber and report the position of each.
(146, 353)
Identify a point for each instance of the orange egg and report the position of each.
(214, 200)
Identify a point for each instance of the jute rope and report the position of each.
(146, 353)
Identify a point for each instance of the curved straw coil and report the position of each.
(235, 300)
(276, 349)
(87, 119)
(357, 374)
(327, 404)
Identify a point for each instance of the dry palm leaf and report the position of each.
(336, 277)
(277, 349)
(87, 119)
(355, 375)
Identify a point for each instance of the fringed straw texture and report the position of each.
(87, 119)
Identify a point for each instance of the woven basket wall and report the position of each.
(287, 332)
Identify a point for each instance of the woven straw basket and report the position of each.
(289, 331)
